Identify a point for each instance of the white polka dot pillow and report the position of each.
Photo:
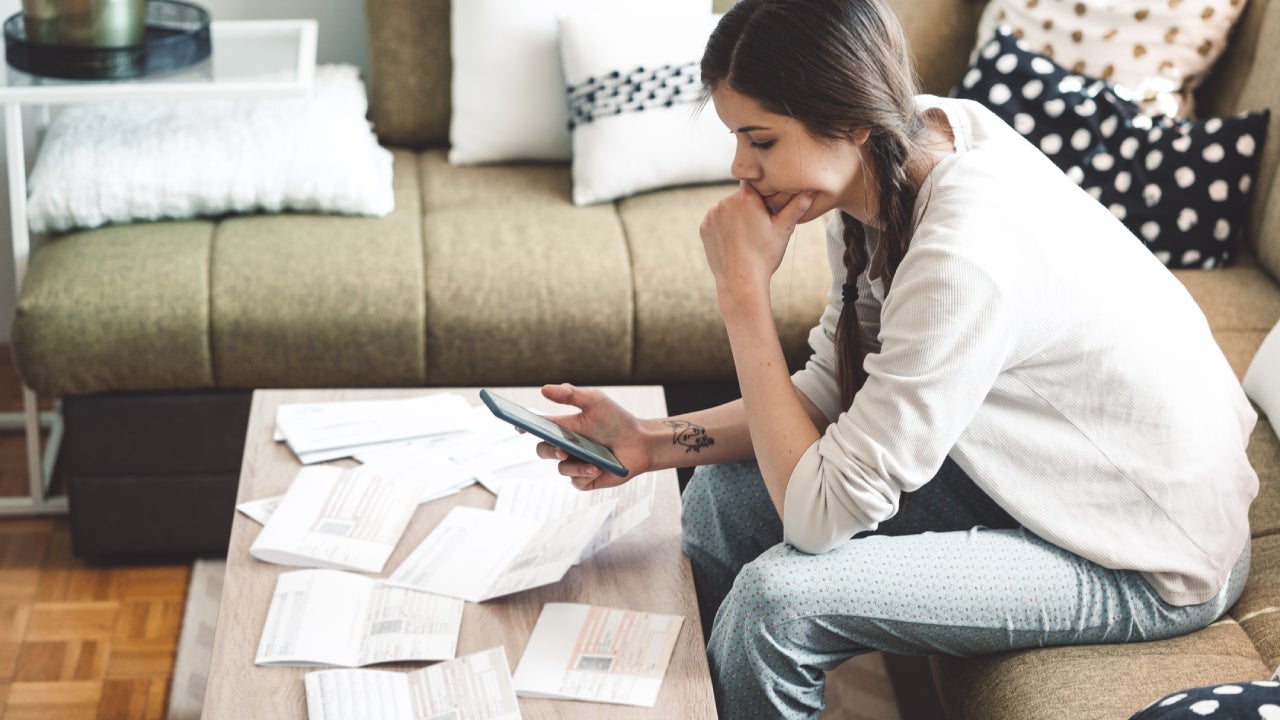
(1254, 699)
(1159, 50)
(1182, 186)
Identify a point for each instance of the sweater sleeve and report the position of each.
(817, 380)
(945, 335)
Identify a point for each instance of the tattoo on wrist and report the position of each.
(692, 437)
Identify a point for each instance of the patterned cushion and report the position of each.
(1159, 50)
(1182, 186)
(1257, 699)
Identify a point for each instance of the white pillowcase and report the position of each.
(119, 162)
(633, 88)
(508, 91)
(1159, 50)
(1262, 379)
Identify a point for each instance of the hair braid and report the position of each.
(888, 156)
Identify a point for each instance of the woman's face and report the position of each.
(778, 158)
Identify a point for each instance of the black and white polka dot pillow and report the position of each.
(1181, 186)
(1257, 700)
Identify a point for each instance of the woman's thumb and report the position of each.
(562, 393)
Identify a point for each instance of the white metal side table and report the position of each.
(250, 58)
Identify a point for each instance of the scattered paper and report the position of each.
(584, 652)
(544, 500)
(478, 554)
(318, 432)
(343, 518)
(330, 617)
(472, 687)
(260, 511)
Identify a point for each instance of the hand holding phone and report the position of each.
(563, 438)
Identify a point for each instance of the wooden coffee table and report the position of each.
(644, 570)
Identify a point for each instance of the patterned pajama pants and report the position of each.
(951, 573)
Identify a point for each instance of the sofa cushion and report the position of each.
(118, 308)
(1258, 609)
(319, 301)
(675, 294)
(1238, 297)
(1264, 455)
(1118, 680)
(409, 70)
(446, 186)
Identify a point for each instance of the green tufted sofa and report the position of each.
(153, 334)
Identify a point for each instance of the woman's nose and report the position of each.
(744, 167)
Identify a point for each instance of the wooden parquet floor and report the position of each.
(77, 641)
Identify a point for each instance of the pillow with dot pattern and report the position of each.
(1181, 186)
(1159, 50)
(1254, 699)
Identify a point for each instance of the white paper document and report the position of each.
(330, 617)
(477, 555)
(438, 473)
(344, 518)
(260, 511)
(473, 687)
(544, 500)
(584, 652)
(326, 431)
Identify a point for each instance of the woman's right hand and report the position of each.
(605, 422)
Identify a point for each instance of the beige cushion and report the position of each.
(1264, 455)
(446, 187)
(117, 308)
(1094, 681)
(679, 333)
(317, 301)
(409, 71)
(1258, 610)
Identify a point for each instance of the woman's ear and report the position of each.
(860, 135)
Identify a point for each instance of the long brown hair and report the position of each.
(838, 67)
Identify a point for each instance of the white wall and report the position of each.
(341, 40)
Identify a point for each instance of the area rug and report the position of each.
(195, 641)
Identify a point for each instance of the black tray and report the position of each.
(177, 35)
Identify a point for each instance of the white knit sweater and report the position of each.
(1030, 336)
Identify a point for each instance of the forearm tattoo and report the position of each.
(692, 437)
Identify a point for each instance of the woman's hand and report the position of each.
(745, 242)
(605, 422)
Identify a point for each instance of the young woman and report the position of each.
(1015, 429)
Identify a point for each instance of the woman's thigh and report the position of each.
(960, 592)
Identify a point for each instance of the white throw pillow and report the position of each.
(1159, 50)
(120, 162)
(1262, 379)
(508, 90)
(633, 89)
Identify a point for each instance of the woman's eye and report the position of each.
(762, 145)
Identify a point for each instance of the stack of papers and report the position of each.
(473, 687)
(583, 652)
(317, 432)
(329, 617)
(546, 500)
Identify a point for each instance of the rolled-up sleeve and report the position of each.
(945, 335)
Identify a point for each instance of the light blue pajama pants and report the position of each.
(951, 573)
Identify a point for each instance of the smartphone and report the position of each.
(563, 438)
